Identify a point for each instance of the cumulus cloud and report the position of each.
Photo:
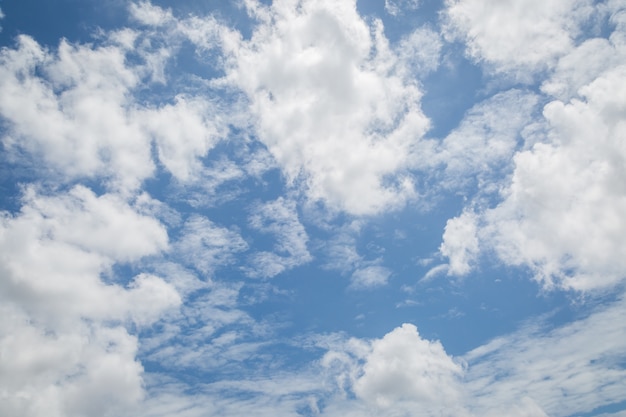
(403, 367)
(74, 116)
(323, 95)
(561, 215)
(329, 103)
(517, 38)
(66, 350)
(460, 243)
(560, 210)
(148, 14)
(75, 110)
(184, 131)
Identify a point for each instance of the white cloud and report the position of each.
(280, 218)
(517, 37)
(183, 132)
(370, 277)
(561, 207)
(77, 112)
(460, 243)
(398, 7)
(441, 269)
(148, 14)
(207, 246)
(564, 371)
(65, 349)
(403, 367)
(343, 256)
(114, 228)
(481, 147)
(419, 52)
(330, 104)
(90, 370)
(562, 213)
(74, 116)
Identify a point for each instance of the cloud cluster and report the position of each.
(318, 91)
(560, 213)
(66, 347)
(331, 102)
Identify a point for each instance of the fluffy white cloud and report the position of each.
(183, 131)
(562, 213)
(403, 367)
(460, 243)
(74, 115)
(90, 370)
(517, 37)
(56, 249)
(75, 109)
(330, 102)
(65, 350)
(148, 14)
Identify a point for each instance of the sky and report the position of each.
(313, 208)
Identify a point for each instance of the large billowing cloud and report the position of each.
(65, 347)
(560, 213)
(332, 102)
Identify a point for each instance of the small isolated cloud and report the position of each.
(148, 14)
(434, 272)
(398, 7)
(370, 277)
(343, 256)
(460, 243)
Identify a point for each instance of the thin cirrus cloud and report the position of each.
(197, 205)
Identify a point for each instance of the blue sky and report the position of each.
(303, 208)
